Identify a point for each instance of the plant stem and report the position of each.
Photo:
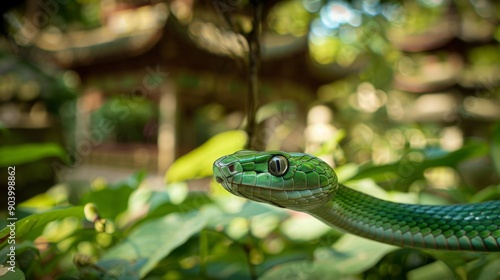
(251, 267)
(254, 57)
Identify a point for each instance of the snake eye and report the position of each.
(278, 165)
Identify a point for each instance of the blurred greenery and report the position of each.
(19, 154)
(385, 59)
(179, 234)
(128, 116)
(198, 163)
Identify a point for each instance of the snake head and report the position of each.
(295, 181)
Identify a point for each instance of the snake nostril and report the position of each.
(218, 179)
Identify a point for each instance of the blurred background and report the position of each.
(99, 89)
(120, 85)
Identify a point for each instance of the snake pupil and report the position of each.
(278, 165)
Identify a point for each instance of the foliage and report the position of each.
(172, 233)
(128, 230)
(19, 154)
(204, 156)
(128, 117)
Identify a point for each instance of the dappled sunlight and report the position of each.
(234, 139)
(367, 98)
(210, 37)
(442, 177)
(289, 18)
(134, 27)
(451, 138)
(337, 13)
(320, 133)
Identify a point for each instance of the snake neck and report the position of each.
(474, 227)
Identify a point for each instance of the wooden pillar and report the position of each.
(167, 128)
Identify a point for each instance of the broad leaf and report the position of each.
(437, 270)
(38, 221)
(485, 268)
(351, 255)
(488, 193)
(412, 166)
(152, 241)
(198, 163)
(7, 274)
(113, 199)
(19, 154)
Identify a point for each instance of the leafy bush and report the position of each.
(130, 231)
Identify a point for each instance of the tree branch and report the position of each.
(254, 57)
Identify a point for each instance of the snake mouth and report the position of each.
(265, 195)
(235, 189)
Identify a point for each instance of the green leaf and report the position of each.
(247, 210)
(113, 199)
(354, 254)
(437, 270)
(331, 145)
(303, 228)
(7, 274)
(495, 148)
(151, 241)
(351, 255)
(198, 163)
(412, 166)
(485, 268)
(488, 193)
(276, 108)
(160, 203)
(19, 154)
(38, 221)
(302, 270)
(43, 200)
(3, 129)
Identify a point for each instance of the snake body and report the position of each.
(305, 183)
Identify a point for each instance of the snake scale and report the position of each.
(305, 183)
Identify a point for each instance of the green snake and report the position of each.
(305, 183)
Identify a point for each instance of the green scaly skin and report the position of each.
(310, 185)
